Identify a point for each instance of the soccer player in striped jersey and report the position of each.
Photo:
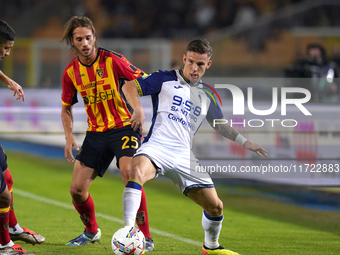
(96, 74)
(179, 98)
(10, 230)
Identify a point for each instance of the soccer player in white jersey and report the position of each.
(178, 101)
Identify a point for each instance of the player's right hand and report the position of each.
(68, 149)
(17, 89)
(137, 119)
(259, 150)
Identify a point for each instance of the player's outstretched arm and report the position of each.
(131, 94)
(67, 119)
(17, 89)
(229, 132)
(255, 148)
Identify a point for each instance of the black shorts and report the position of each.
(3, 167)
(99, 148)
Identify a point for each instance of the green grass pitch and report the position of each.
(252, 225)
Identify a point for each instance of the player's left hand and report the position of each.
(17, 89)
(255, 148)
(137, 119)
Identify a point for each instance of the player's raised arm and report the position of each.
(67, 119)
(229, 132)
(131, 94)
(11, 84)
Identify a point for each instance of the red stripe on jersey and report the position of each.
(116, 117)
(106, 87)
(91, 73)
(102, 112)
(83, 93)
(92, 119)
(77, 73)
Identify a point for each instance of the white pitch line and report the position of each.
(104, 216)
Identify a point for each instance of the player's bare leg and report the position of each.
(82, 179)
(211, 219)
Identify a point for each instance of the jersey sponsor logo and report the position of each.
(80, 75)
(100, 72)
(91, 85)
(88, 86)
(181, 120)
(178, 87)
(99, 96)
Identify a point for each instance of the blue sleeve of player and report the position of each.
(214, 112)
(152, 83)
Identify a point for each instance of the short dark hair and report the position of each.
(201, 46)
(75, 22)
(318, 46)
(6, 32)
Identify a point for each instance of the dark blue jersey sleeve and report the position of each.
(152, 83)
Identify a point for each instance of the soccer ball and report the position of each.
(128, 240)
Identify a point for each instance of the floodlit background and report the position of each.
(257, 44)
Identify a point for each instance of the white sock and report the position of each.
(131, 203)
(212, 227)
(16, 230)
(10, 244)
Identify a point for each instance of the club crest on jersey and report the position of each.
(100, 72)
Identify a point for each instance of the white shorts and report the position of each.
(179, 165)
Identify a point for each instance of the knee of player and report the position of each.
(5, 198)
(216, 209)
(136, 173)
(76, 192)
(125, 176)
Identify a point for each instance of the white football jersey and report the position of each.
(178, 108)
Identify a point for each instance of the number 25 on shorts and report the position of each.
(133, 139)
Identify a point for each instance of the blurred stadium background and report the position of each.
(254, 42)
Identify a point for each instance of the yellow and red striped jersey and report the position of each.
(98, 85)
